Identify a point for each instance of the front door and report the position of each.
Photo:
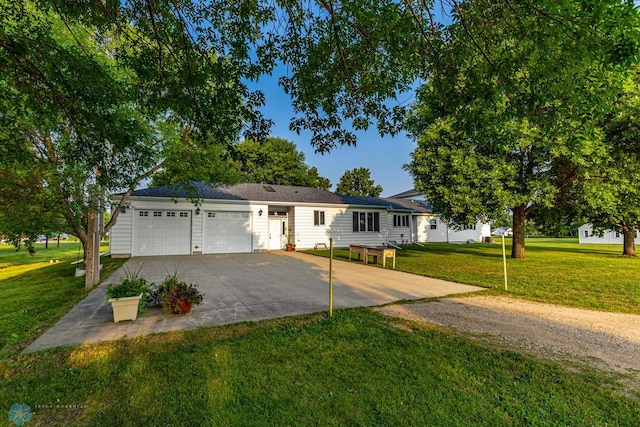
(277, 234)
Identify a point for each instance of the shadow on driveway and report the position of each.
(243, 287)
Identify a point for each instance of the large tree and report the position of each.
(514, 116)
(611, 193)
(276, 161)
(93, 92)
(358, 182)
(95, 98)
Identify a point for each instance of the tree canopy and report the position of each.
(358, 182)
(609, 196)
(516, 115)
(98, 96)
(276, 161)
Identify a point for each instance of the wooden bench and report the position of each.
(320, 246)
(375, 252)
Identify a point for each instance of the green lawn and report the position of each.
(352, 369)
(558, 271)
(357, 368)
(36, 291)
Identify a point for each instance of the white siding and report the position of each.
(120, 235)
(426, 234)
(260, 227)
(197, 232)
(346, 235)
(306, 234)
(585, 235)
(400, 234)
(444, 233)
(338, 225)
(476, 234)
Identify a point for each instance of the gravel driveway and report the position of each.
(609, 341)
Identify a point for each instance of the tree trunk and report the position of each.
(58, 240)
(92, 276)
(518, 228)
(46, 242)
(629, 243)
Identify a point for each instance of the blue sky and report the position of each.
(384, 157)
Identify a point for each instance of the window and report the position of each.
(318, 217)
(171, 214)
(586, 233)
(144, 213)
(401, 220)
(211, 214)
(157, 213)
(617, 234)
(433, 224)
(184, 214)
(469, 227)
(366, 221)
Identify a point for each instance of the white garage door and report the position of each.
(160, 232)
(227, 232)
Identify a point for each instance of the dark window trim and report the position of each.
(318, 218)
(364, 222)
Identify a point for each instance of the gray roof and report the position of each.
(276, 193)
(413, 205)
(406, 194)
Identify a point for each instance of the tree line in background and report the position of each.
(520, 106)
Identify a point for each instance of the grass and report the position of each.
(352, 369)
(357, 368)
(36, 291)
(557, 271)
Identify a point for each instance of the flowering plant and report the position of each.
(174, 291)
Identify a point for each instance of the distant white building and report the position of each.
(585, 235)
(429, 227)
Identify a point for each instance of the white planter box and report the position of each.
(125, 308)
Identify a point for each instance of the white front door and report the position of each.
(277, 234)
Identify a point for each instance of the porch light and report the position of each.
(260, 212)
(197, 211)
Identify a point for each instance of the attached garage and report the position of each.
(227, 232)
(161, 232)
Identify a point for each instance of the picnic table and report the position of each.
(375, 252)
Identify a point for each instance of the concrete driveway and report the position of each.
(244, 287)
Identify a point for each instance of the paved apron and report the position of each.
(243, 287)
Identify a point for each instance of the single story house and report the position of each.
(257, 217)
(585, 235)
(430, 228)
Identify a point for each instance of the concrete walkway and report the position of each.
(243, 287)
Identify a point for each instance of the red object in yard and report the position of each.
(184, 307)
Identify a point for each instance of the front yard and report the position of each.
(358, 367)
(556, 271)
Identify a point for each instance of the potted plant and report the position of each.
(127, 297)
(178, 296)
(290, 244)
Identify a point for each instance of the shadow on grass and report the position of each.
(33, 301)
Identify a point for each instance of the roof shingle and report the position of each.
(277, 193)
